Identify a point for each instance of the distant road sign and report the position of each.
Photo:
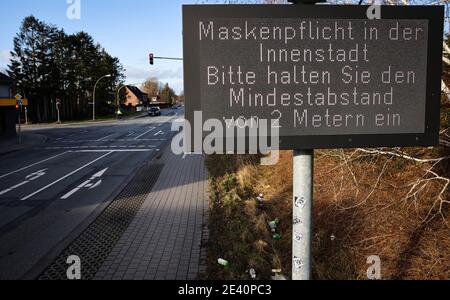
(326, 75)
(18, 97)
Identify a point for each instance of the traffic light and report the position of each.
(17, 106)
(151, 58)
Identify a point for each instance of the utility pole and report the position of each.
(20, 124)
(303, 184)
(19, 107)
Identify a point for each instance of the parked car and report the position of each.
(154, 111)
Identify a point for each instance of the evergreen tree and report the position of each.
(168, 94)
(49, 64)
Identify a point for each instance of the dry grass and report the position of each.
(394, 203)
(360, 200)
(370, 214)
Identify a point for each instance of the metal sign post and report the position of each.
(19, 104)
(58, 104)
(302, 212)
(20, 125)
(303, 185)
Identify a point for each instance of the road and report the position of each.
(50, 193)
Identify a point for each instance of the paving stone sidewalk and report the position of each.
(164, 241)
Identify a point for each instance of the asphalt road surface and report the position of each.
(50, 193)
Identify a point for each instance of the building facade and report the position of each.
(8, 112)
(135, 97)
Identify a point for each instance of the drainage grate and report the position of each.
(95, 244)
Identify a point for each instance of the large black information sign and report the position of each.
(326, 76)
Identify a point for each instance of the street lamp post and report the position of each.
(118, 100)
(95, 87)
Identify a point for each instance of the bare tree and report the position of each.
(152, 87)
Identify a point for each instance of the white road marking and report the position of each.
(94, 185)
(86, 184)
(130, 133)
(104, 138)
(159, 133)
(13, 187)
(114, 140)
(66, 176)
(66, 196)
(36, 175)
(148, 131)
(113, 151)
(32, 165)
(29, 179)
(93, 147)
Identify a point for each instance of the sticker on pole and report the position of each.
(298, 264)
(298, 237)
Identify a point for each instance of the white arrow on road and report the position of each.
(87, 184)
(159, 133)
(36, 175)
(29, 178)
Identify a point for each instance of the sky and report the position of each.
(127, 29)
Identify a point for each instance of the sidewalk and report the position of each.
(11, 144)
(164, 241)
